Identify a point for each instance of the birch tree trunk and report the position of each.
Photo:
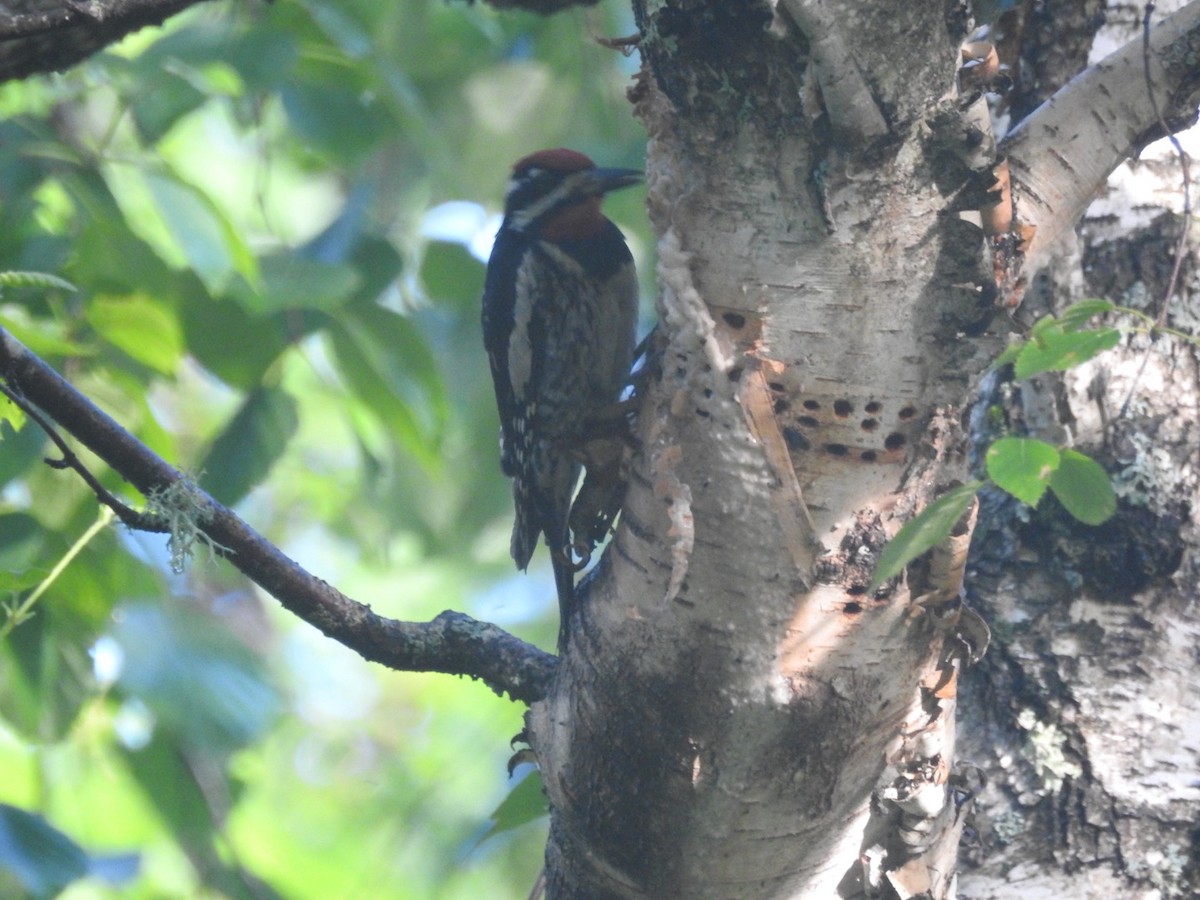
(738, 713)
(1085, 712)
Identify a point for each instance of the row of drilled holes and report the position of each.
(842, 409)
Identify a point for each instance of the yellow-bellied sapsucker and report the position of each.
(559, 321)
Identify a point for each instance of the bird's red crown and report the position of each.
(559, 159)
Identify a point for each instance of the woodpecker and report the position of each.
(559, 320)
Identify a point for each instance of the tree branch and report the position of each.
(452, 643)
(140, 521)
(52, 36)
(23, 25)
(542, 7)
(1062, 153)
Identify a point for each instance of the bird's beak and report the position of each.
(607, 180)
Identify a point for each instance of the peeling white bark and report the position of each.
(1062, 154)
(1107, 807)
(736, 716)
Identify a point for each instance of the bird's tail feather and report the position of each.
(543, 507)
(564, 583)
(526, 524)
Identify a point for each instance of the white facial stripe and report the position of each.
(571, 185)
(514, 183)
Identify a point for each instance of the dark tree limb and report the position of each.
(38, 36)
(541, 7)
(139, 521)
(452, 643)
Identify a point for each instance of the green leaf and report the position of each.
(1022, 467)
(373, 390)
(1084, 488)
(162, 102)
(450, 273)
(81, 600)
(141, 327)
(90, 190)
(203, 686)
(1073, 317)
(1042, 326)
(390, 369)
(265, 57)
(378, 266)
(22, 541)
(20, 448)
(232, 344)
(345, 33)
(1009, 355)
(41, 858)
(243, 454)
(18, 582)
(209, 243)
(290, 281)
(924, 531)
(179, 783)
(337, 118)
(526, 802)
(1060, 343)
(12, 420)
(110, 258)
(45, 337)
(35, 280)
(46, 674)
(1058, 350)
(169, 783)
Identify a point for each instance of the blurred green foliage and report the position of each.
(238, 200)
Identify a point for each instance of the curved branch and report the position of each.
(52, 36)
(139, 521)
(541, 7)
(1062, 153)
(24, 25)
(452, 643)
